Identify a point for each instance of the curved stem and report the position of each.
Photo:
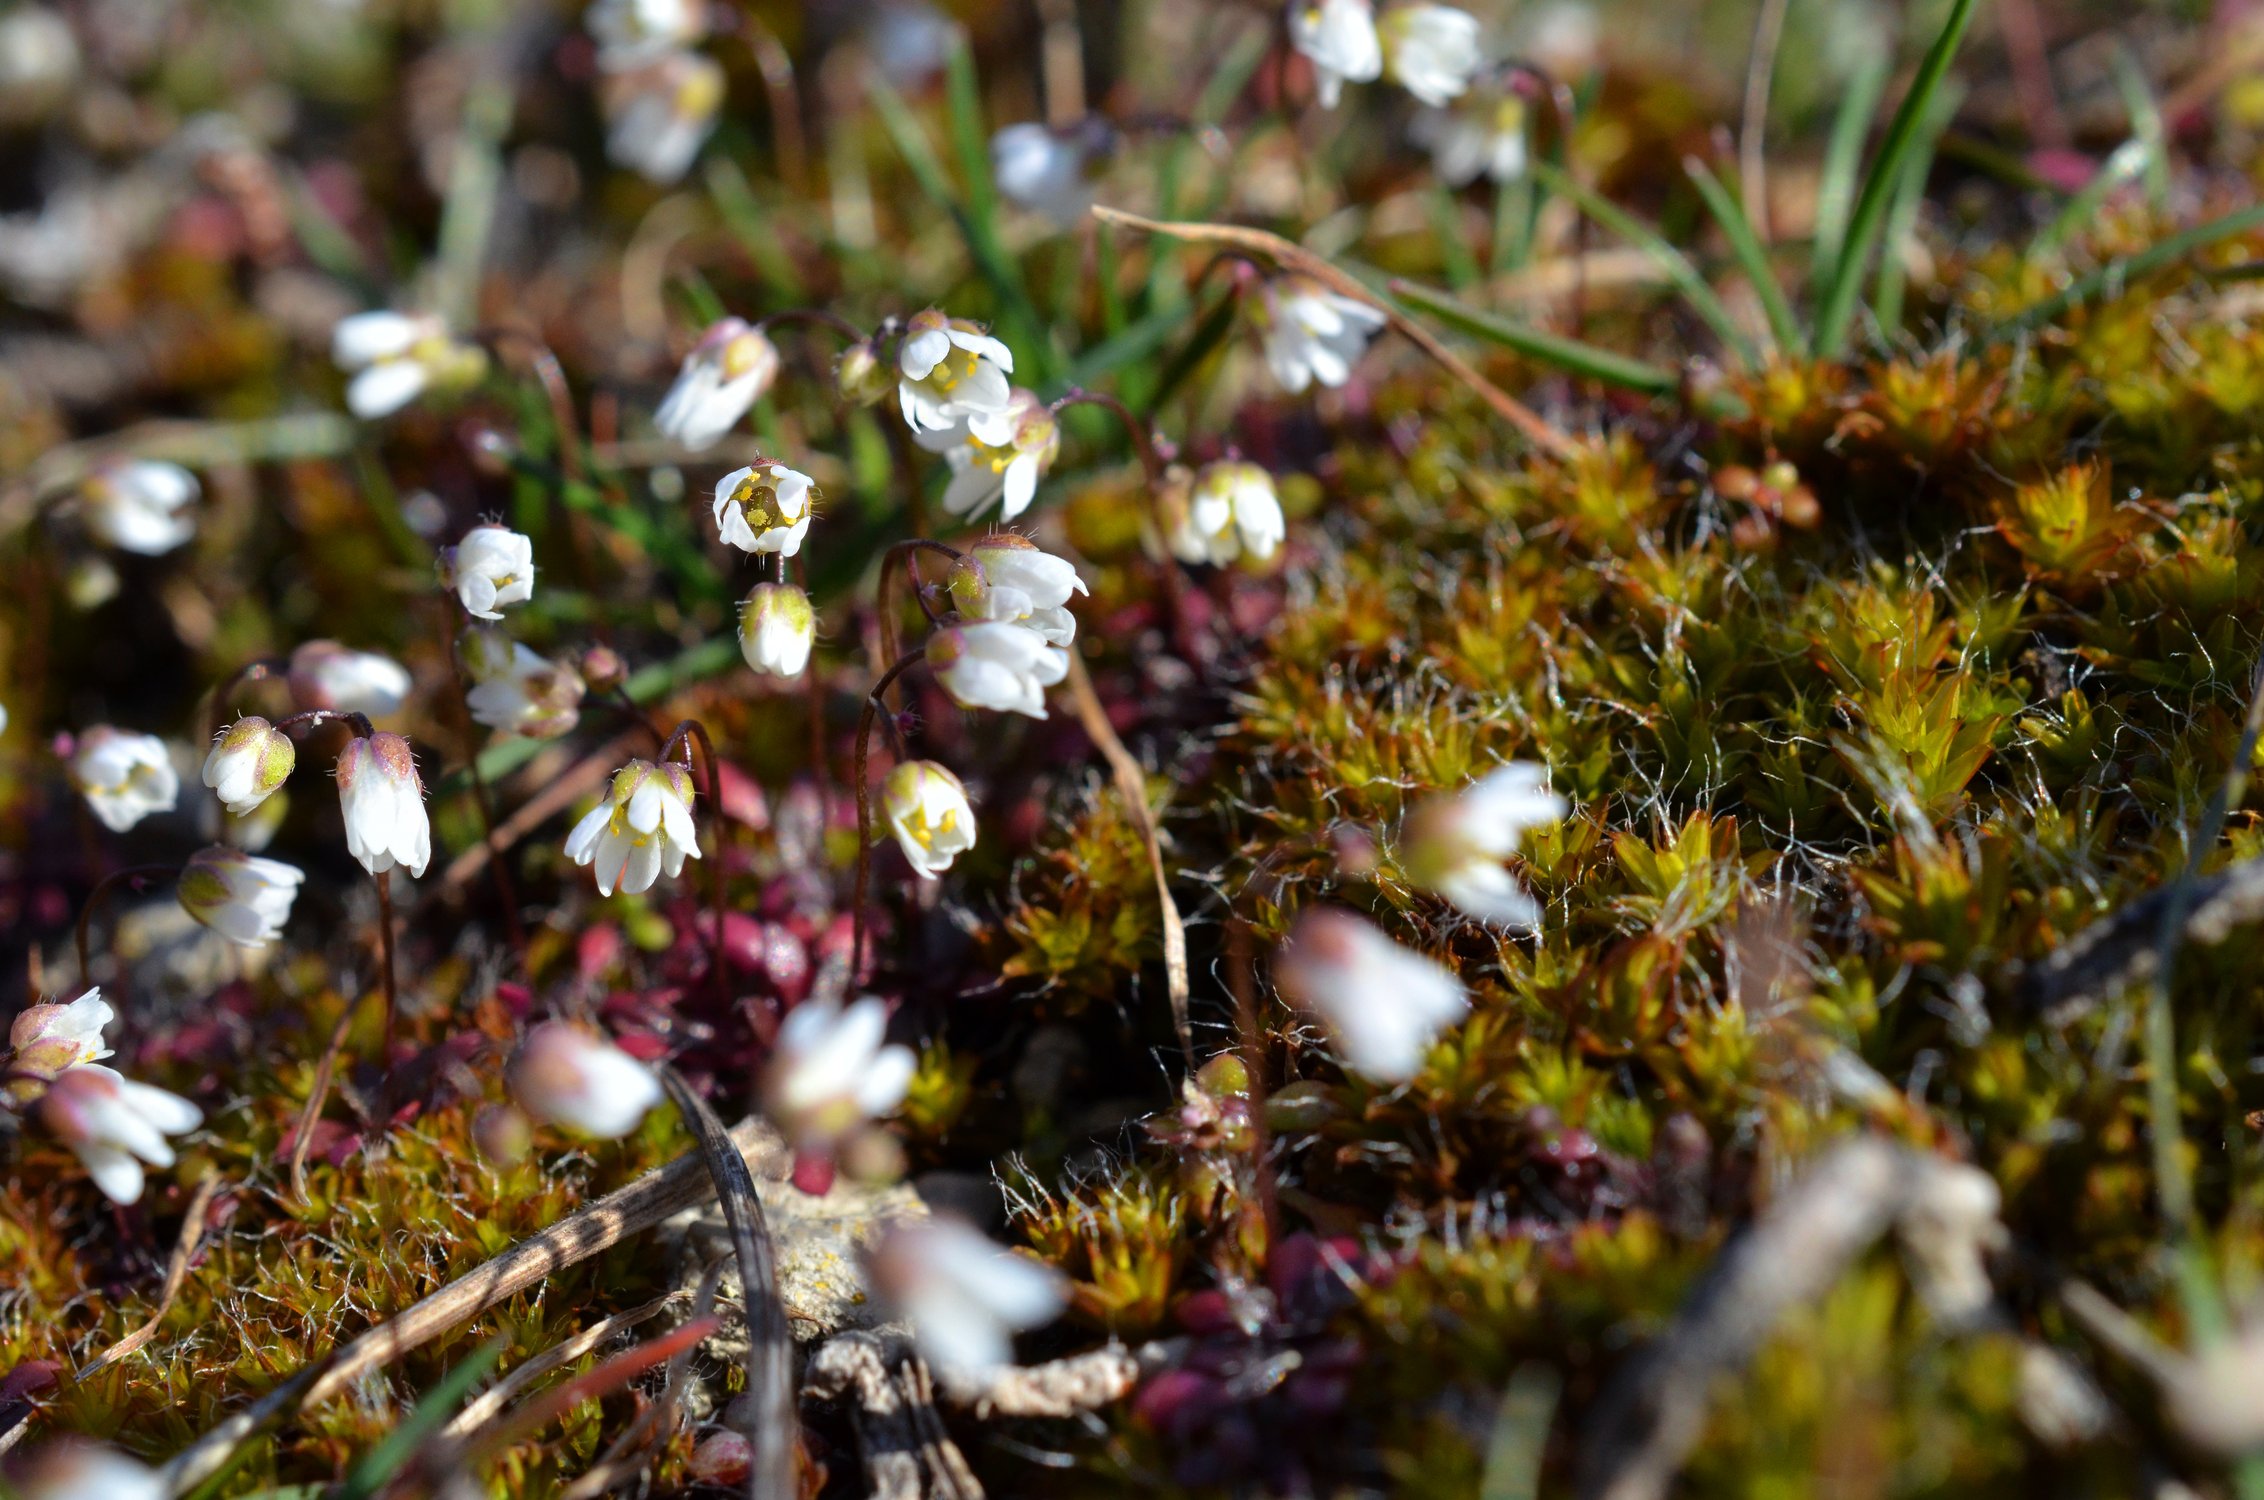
(359, 722)
(686, 732)
(1143, 442)
(544, 363)
(873, 706)
(818, 316)
(813, 681)
(94, 899)
(262, 670)
(319, 1095)
(780, 90)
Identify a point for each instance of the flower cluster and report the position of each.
(1429, 50)
(117, 1128)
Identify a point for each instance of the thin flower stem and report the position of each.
(1243, 978)
(318, 1096)
(809, 316)
(872, 710)
(813, 680)
(505, 890)
(686, 732)
(95, 897)
(360, 723)
(546, 369)
(905, 554)
(781, 91)
(262, 670)
(1143, 441)
(385, 960)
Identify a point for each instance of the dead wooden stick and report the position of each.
(176, 1272)
(1295, 257)
(1132, 786)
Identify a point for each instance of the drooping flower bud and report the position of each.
(74, 1470)
(1382, 1003)
(830, 1072)
(491, 567)
(965, 1296)
(517, 690)
(1339, 38)
(776, 629)
(1312, 333)
(1010, 579)
(326, 675)
(568, 1077)
(250, 760)
(114, 1125)
(140, 505)
(123, 776)
(861, 376)
(928, 811)
(383, 801)
(47, 1041)
(728, 371)
(242, 897)
(1231, 510)
(1456, 844)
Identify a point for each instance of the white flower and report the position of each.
(1383, 1003)
(662, 113)
(383, 802)
(48, 1040)
(73, 1470)
(999, 456)
(1339, 36)
(765, 508)
(1480, 138)
(395, 357)
(124, 776)
(324, 674)
(829, 1072)
(1430, 50)
(1456, 844)
(1230, 510)
(1312, 333)
(631, 33)
(728, 371)
(249, 760)
(1012, 580)
(568, 1077)
(140, 505)
(114, 1125)
(1041, 170)
(965, 1296)
(641, 830)
(996, 665)
(517, 690)
(948, 369)
(928, 811)
(776, 629)
(242, 897)
(491, 567)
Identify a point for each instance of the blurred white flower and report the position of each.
(996, 665)
(1382, 1003)
(662, 112)
(1014, 581)
(776, 629)
(949, 369)
(965, 1296)
(249, 760)
(1339, 37)
(631, 33)
(1312, 333)
(491, 567)
(727, 372)
(1430, 50)
(1000, 456)
(928, 811)
(73, 1470)
(1479, 137)
(1229, 511)
(39, 62)
(1042, 170)
(382, 799)
(114, 1125)
(641, 830)
(1456, 844)
(242, 897)
(518, 690)
(140, 505)
(765, 508)
(123, 776)
(326, 675)
(568, 1077)
(829, 1071)
(48, 1040)
(395, 357)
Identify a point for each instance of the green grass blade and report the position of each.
(2129, 268)
(1569, 355)
(1446, 227)
(1679, 269)
(734, 200)
(2145, 125)
(1843, 158)
(2124, 166)
(963, 97)
(421, 1426)
(1746, 245)
(1836, 310)
(1902, 219)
